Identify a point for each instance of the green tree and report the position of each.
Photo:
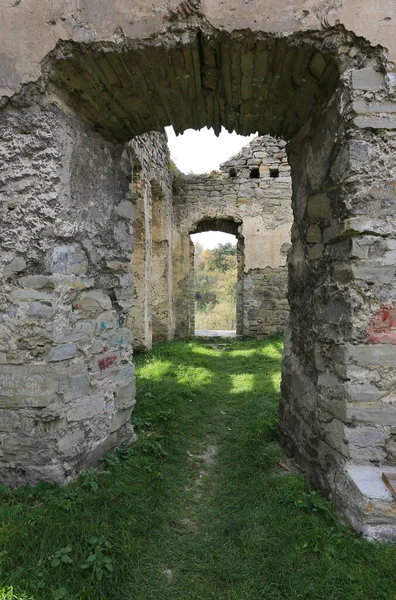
(223, 257)
(215, 286)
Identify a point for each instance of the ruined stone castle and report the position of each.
(96, 256)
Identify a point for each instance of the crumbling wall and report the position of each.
(67, 386)
(338, 391)
(252, 189)
(151, 317)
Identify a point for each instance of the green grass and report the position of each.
(175, 525)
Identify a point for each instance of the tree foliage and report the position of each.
(215, 286)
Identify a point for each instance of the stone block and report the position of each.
(68, 260)
(73, 385)
(85, 408)
(125, 392)
(375, 414)
(374, 273)
(30, 295)
(31, 386)
(126, 210)
(364, 392)
(366, 443)
(39, 309)
(314, 235)
(315, 252)
(120, 418)
(63, 352)
(117, 265)
(319, 207)
(368, 480)
(106, 361)
(119, 337)
(94, 300)
(371, 355)
(264, 171)
(17, 265)
(123, 235)
(359, 249)
(367, 79)
(11, 420)
(68, 443)
(105, 321)
(375, 122)
(126, 280)
(36, 282)
(63, 333)
(317, 65)
(361, 107)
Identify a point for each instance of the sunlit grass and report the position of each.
(243, 353)
(156, 369)
(194, 376)
(243, 382)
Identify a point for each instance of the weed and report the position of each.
(98, 561)
(140, 422)
(60, 594)
(61, 557)
(89, 480)
(7, 593)
(314, 502)
(110, 460)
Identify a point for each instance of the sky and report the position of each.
(201, 152)
(211, 239)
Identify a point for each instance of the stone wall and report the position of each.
(151, 316)
(338, 391)
(67, 386)
(250, 196)
(67, 383)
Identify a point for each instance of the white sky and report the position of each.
(201, 152)
(211, 239)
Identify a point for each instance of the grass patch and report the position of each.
(199, 509)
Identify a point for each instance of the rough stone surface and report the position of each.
(60, 183)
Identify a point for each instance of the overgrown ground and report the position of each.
(200, 508)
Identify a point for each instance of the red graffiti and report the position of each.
(382, 326)
(105, 363)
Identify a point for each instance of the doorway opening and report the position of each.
(215, 283)
(216, 278)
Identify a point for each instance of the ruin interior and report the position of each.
(96, 255)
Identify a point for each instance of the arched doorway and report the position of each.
(233, 228)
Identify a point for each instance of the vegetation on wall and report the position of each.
(215, 287)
